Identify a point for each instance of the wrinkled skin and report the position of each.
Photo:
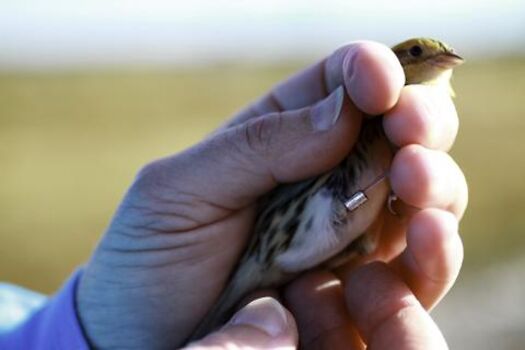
(184, 221)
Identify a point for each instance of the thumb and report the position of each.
(262, 324)
(234, 167)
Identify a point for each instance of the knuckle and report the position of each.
(149, 176)
(260, 134)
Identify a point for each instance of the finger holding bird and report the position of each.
(363, 68)
(424, 115)
(305, 224)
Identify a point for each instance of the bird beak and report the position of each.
(448, 60)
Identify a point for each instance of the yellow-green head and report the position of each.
(427, 61)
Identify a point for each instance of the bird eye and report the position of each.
(416, 50)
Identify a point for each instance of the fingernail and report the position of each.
(265, 314)
(325, 114)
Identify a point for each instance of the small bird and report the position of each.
(327, 220)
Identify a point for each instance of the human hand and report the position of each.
(178, 232)
(381, 305)
(372, 305)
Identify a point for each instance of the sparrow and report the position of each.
(328, 220)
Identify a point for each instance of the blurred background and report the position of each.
(92, 90)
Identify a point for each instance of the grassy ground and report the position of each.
(70, 144)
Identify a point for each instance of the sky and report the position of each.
(57, 34)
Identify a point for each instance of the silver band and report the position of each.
(355, 201)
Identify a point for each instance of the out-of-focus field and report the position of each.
(70, 144)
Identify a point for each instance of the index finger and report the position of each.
(370, 72)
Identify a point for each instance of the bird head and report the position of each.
(427, 61)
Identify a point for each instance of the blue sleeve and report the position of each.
(54, 326)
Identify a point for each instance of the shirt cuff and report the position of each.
(54, 326)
